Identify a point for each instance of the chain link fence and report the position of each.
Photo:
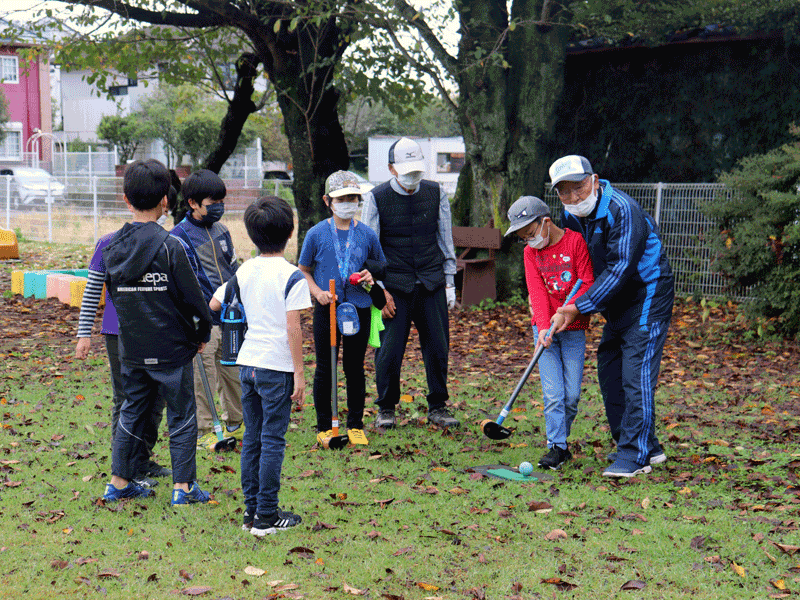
(90, 207)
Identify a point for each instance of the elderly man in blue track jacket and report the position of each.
(634, 291)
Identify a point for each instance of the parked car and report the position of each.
(276, 174)
(29, 186)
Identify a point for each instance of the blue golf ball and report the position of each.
(525, 468)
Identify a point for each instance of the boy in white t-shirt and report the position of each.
(273, 292)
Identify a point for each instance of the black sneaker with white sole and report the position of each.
(278, 521)
(247, 520)
(441, 417)
(386, 419)
(555, 457)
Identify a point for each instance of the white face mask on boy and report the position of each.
(539, 242)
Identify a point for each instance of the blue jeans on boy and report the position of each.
(266, 408)
(561, 372)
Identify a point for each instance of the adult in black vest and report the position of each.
(412, 219)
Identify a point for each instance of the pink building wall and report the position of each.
(29, 100)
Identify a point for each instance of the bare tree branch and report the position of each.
(408, 12)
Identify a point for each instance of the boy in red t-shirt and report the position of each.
(554, 259)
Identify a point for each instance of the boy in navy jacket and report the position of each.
(163, 322)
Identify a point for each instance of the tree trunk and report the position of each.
(301, 68)
(508, 95)
(240, 107)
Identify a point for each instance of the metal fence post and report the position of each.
(8, 201)
(94, 207)
(49, 202)
(657, 215)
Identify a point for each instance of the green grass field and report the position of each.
(406, 517)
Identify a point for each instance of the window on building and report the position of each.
(449, 162)
(9, 69)
(133, 82)
(11, 144)
(118, 90)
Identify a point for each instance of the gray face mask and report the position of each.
(345, 210)
(411, 180)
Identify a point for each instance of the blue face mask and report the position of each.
(214, 213)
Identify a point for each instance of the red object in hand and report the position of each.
(355, 278)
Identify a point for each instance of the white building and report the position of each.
(444, 159)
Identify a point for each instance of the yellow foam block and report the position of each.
(8, 244)
(76, 287)
(64, 294)
(17, 282)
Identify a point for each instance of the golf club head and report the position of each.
(224, 445)
(494, 431)
(336, 442)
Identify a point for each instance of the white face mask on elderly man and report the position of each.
(411, 180)
(585, 207)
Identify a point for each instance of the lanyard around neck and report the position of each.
(342, 254)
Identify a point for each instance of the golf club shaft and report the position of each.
(534, 360)
(334, 398)
(202, 369)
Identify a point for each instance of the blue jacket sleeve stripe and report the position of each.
(612, 278)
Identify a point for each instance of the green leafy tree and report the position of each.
(127, 133)
(758, 242)
(5, 116)
(297, 44)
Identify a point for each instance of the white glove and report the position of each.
(450, 292)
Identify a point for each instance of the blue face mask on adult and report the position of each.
(214, 213)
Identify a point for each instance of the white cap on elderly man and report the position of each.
(569, 168)
(406, 156)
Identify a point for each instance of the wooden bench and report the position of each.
(478, 274)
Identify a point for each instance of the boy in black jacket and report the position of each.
(163, 322)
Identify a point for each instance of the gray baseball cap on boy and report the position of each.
(341, 183)
(525, 211)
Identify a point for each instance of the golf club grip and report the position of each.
(335, 403)
(570, 296)
(332, 290)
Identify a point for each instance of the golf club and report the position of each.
(336, 441)
(222, 443)
(494, 430)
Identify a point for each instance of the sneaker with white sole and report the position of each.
(278, 521)
(357, 437)
(132, 490)
(247, 519)
(555, 457)
(194, 496)
(656, 457)
(386, 419)
(441, 417)
(624, 468)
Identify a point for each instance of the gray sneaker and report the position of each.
(441, 417)
(386, 419)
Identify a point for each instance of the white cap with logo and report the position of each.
(569, 168)
(405, 155)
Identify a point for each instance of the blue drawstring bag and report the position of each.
(347, 319)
